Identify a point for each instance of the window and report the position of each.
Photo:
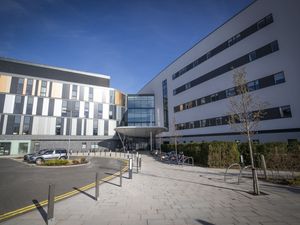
(26, 125)
(274, 46)
(64, 108)
(20, 85)
(44, 88)
(100, 111)
(230, 92)
(279, 78)
(16, 126)
(214, 97)
(18, 105)
(165, 103)
(252, 56)
(29, 105)
(202, 101)
(74, 91)
(86, 109)
(91, 94)
(285, 111)
(58, 130)
(253, 85)
(29, 87)
(261, 24)
(95, 127)
(219, 121)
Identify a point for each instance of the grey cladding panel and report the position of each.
(51, 73)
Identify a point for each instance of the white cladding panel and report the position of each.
(9, 104)
(81, 109)
(89, 127)
(91, 110)
(106, 111)
(57, 107)
(45, 107)
(283, 29)
(43, 125)
(74, 126)
(101, 127)
(112, 124)
(25, 105)
(34, 106)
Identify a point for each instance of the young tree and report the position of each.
(245, 114)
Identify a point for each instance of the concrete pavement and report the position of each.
(169, 194)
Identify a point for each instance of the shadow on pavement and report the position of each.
(41, 210)
(204, 184)
(85, 193)
(126, 177)
(203, 222)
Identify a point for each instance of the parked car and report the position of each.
(49, 154)
(27, 156)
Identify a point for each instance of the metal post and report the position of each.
(151, 141)
(130, 169)
(50, 213)
(104, 153)
(137, 165)
(140, 162)
(109, 153)
(121, 175)
(70, 132)
(264, 166)
(128, 154)
(97, 187)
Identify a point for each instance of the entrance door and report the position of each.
(5, 148)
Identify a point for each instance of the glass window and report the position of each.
(23, 148)
(253, 85)
(43, 88)
(29, 86)
(230, 92)
(58, 130)
(29, 105)
(252, 56)
(91, 94)
(20, 85)
(95, 127)
(86, 109)
(27, 125)
(64, 108)
(279, 78)
(285, 111)
(18, 109)
(219, 121)
(16, 126)
(74, 91)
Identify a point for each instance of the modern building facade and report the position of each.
(45, 107)
(192, 93)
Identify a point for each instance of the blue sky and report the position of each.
(129, 40)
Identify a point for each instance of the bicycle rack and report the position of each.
(232, 165)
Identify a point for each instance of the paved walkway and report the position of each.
(168, 194)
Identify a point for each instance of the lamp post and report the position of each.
(70, 130)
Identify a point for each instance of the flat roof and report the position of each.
(140, 131)
(13, 66)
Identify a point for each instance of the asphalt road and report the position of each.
(22, 185)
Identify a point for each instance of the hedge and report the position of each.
(213, 154)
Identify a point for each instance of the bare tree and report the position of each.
(245, 115)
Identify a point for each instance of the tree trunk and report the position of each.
(254, 174)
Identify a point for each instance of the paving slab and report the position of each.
(169, 195)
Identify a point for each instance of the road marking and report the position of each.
(60, 197)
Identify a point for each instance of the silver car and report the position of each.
(49, 154)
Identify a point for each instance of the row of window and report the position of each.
(252, 86)
(13, 126)
(258, 53)
(270, 113)
(42, 88)
(236, 38)
(165, 103)
(70, 108)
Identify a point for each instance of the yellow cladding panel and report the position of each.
(39, 87)
(118, 98)
(33, 87)
(56, 90)
(5, 83)
(24, 86)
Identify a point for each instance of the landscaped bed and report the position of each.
(64, 162)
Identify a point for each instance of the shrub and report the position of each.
(56, 162)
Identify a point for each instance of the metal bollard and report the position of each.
(115, 153)
(140, 162)
(264, 166)
(121, 175)
(130, 169)
(137, 165)
(97, 187)
(104, 153)
(50, 211)
(109, 153)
